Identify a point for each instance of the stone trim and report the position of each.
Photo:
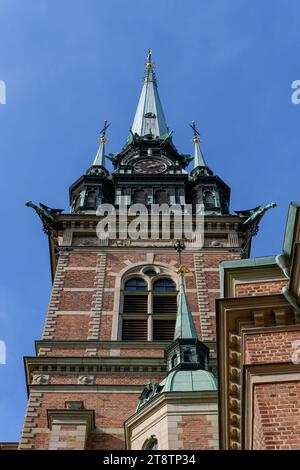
(32, 411)
(68, 388)
(203, 303)
(191, 401)
(62, 416)
(129, 270)
(88, 365)
(72, 312)
(41, 344)
(247, 271)
(97, 302)
(81, 422)
(78, 289)
(55, 296)
(80, 268)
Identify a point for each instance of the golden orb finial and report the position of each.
(182, 270)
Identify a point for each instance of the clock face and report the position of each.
(150, 166)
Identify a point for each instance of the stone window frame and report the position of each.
(138, 270)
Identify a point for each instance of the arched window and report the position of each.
(149, 313)
(135, 310)
(161, 197)
(164, 285)
(135, 284)
(139, 196)
(209, 200)
(164, 308)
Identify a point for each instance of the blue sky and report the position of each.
(70, 64)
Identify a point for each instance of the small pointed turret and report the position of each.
(186, 352)
(149, 118)
(185, 326)
(198, 155)
(95, 187)
(100, 155)
(187, 357)
(212, 194)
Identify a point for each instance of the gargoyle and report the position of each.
(46, 214)
(254, 216)
(251, 224)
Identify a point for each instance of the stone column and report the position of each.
(70, 426)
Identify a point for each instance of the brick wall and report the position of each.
(260, 288)
(111, 410)
(83, 306)
(277, 416)
(199, 432)
(275, 346)
(77, 291)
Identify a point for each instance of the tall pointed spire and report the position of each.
(198, 155)
(185, 326)
(99, 159)
(149, 117)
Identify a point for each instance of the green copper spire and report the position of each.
(149, 117)
(99, 159)
(198, 155)
(185, 326)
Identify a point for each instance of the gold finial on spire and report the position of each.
(182, 269)
(179, 246)
(149, 63)
(103, 132)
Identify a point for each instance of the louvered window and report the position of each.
(163, 330)
(161, 197)
(91, 200)
(209, 200)
(164, 305)
(134, 330)
(135, 304)
(155, 309)
(139, 197)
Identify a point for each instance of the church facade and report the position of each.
(158, 342)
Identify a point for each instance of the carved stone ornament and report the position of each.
(86, 380)
(41, 379)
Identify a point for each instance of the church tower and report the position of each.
(114, 301)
